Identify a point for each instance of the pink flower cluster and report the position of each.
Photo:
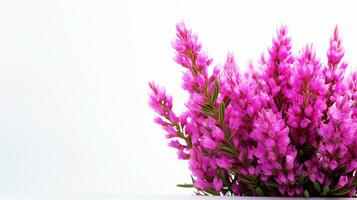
(285, 128)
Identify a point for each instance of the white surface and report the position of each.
(152, 197)
(73, 83)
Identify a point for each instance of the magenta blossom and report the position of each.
(277, 71)
(335, 156)
(285, 127)
(274, 153)
(307, 97)
(334, 71)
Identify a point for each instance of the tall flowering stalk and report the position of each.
(162, 105)
(307, 98)
(352, 91)
(204, 126)
(277, 70)
(334, 163)
(287, 128)
(334, 71)
(275, 155)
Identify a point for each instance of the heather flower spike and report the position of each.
(335, 70)
(307, 98)
(285, 127)
(278, 69)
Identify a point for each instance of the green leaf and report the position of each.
(215, 92)
(341, 192)
(193, 180)
(248, 181)
(334, 189)
(207, 107)
(185, 185)
(302, 179)
(259, 191)
(221, 111)
(273, 184)
(354, 182)
(228, 151)
(317, 187)
(306, 194)
(244, 157)
(326, 189)
(207, 110)
(194, 70)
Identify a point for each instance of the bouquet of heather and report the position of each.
(286, 127)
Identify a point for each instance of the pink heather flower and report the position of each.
(218, 184)
(245, 102)
(162, 104)
(208, 143)
(352, 93)
(190, 56)
(231, 77)
(336, 52)
(176, 144)
(333, 152)
(186, 46)
(278, 69)
(272, 139)
(307, 97)
(274, 149)
(245, 98)
(204, 169)
(343, 181)
(340, 130)
(334, 71)
(224, 162)
(276, 130)
(205, 132)
(159, 101)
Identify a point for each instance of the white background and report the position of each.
(73, 83)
